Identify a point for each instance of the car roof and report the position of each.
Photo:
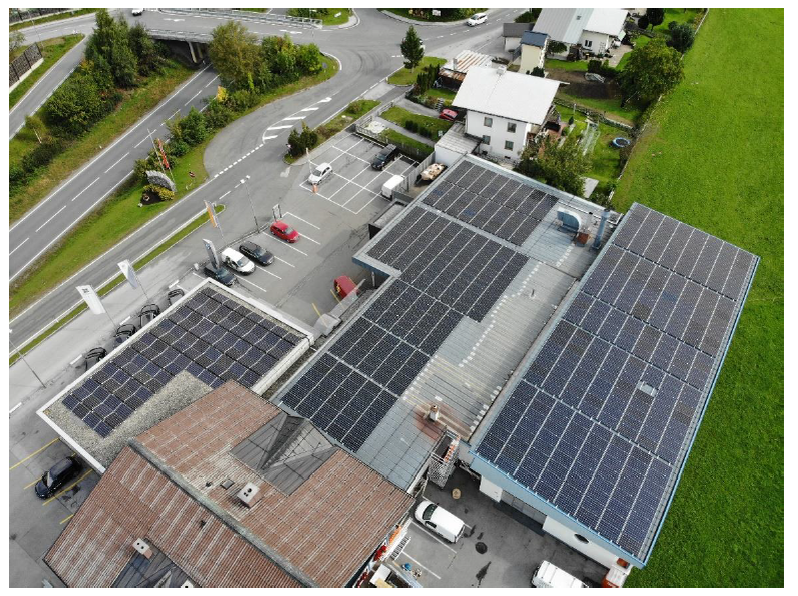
(251, 245)
(61, 466)
(232, 252)
(96, 350)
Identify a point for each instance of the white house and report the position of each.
(533, 51)
(512, 35)
(594, 29)
(504, 109)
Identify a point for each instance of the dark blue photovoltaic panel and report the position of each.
(611, 401)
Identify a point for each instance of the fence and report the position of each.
(245, 15)
(594, 114)
(23, 63)
(32, 13)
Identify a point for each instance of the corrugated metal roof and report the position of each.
(516, 29)
(607, 20)
(466, 60)
(567, 24)
(533, 38)
(324, 530)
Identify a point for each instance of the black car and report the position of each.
(57, 476)
(93, 356)
(257, 253)
(123, 333)
(147, 313)
(175, 295)
(385, 155)
(221, 274)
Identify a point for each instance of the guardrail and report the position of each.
(244, 15)
(180, 35)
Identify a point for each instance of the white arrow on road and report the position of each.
(175, 20)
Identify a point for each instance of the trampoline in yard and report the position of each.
(620, 142)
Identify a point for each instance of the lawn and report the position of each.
(447, 95)
(135, 104)
(605, 160)
(715, 159)
(565, 65)
(680, 15)
(404, 76)
(52, 51)
(328, 20)
(52, 17)
(417, 149)
(611, 108)
(433, 126)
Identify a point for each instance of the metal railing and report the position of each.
(180, 35)
(15, 15)
(245, 15)
(22, 64)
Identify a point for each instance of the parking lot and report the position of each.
(496, 551)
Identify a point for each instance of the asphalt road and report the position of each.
(253, 145)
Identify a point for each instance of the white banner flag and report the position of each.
(91, 298)
(128, 272)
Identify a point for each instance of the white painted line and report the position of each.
(75, 360)
(192, 99)
(287, 245)
(250, 283)
(50, 218)
(211, 82)
(306, 237)
(20, 244)
(11, 411)
(308, 109)
(295, 118)
(325, 100)
(431, 535)
(174, 283)
(302, 220)
(225, 194)
(269, 272)
(116, 162)
(140, 142)
(280, 127)
(286, 262)
(125, 320)
(427, 569)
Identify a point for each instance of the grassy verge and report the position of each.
(135, 104)
(327, 20)
(398, 138)
(680, 15)
(337, 123)
(611, 108)
(404, 76)
(52, 17)
(405, 12)
(158, 250)
(52, 51)
(401, 116)
(565, 65)
(726, 523)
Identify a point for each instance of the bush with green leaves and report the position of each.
(529, 16)
(561, 165)
(77, 104)
(194, 128)
(682, 37)
(163, 194)
(218, 115)
(110, 44)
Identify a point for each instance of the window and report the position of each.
(508, 145)
(488, 122)
(486, 139)
(511, 127)
(588, 43)
(581, 538)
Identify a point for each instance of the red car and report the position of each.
(284, 232)
(449, 115)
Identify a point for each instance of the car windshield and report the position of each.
(318, 171)
(48, 479)
(288, 231)
(241, 262)
(427, 515)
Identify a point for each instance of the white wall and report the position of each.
(510, 43)
(531, 57)
(446, 156)
(475, 126)
(600, 42)
(568, 536)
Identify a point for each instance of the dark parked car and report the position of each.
(57, 476)
(175, 295)
(257, 253)
(93, 356)
(147, 313)
(221, 274)
(384, 157)
(123, 333)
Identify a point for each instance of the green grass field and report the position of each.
(327, 20)
(400, 116)
(714, 159)
(611, 108)
(403, 76)
(52, 51)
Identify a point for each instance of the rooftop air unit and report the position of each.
(142, 548)
(250, 494)
(188, 584)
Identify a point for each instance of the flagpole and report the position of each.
(218, 222)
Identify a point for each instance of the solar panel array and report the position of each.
(209, 335)
(492, 202)
(603, 417)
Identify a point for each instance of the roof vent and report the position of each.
(250, 494)
(188, 584)
(227, 484)
(502, 69)
(142, 548)
(434, 412)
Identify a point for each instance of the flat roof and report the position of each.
(455, 139)
(476, 265)
(601, 416)
(175, 487)
(213, 334)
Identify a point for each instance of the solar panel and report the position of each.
(612, 399)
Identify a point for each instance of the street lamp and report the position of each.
(249, 197)
(22, 356)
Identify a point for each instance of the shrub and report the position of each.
(295, 147)
(217, 115)
(682, 37)
(194, 128)
(178, 147)
(41, 155)
(530, 16)
(538, 72)
(16, 175)
(242, 100)
(411, 125)
(308, 137)
(163, 194)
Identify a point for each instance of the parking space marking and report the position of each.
(337, 299)
(39, 450)
(269, 272)
(252, 284)
(302, 220)
(11, 411)
(68, 517)
(61, 492)
(32, 483)
(306, 237)
(286, 262)
(427, 569)
(313, 304)
(287, 245)
(431, 535)
(75, 360)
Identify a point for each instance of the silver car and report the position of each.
(322, 171)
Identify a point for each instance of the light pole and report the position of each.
(244, 181)
(21, 355)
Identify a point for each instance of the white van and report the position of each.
(549, 576)
(438, 520)
(390, 185)
(235, 260)
(477, 19)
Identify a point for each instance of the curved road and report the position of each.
(254, 145)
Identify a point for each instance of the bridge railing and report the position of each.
(180, 35)
(245, 15)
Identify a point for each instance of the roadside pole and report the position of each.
(22, 356)
(245, 182)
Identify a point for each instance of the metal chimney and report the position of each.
(602, 225)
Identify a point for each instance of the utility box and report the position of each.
(142, 548)
(250, 494)
(392, 183)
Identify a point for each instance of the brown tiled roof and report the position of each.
(323, 531)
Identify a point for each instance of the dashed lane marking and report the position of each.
(85, 189)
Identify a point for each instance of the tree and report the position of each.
(308, 137)
(411, 49)
(143, 47)
(15, 41)
(642, 22)
(556, 47)
(530, 16)
(682, 37)
(110, 44)
(655, 16)
(651, 70)
(194, 128)
(75, 105)
(234, 53)
(561, 165)
(308, 59)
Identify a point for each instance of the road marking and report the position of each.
(316, 309)
(225, 194)
(11, 411)
(192, 99)
(116, 162)
(141, 141)
(269, 272)
(302, 220)
(286, 262)
(20, 244)
(39, 450)
(61, 492)
(68, 517)
(32, 483)
(430, 571)
(308, 109)
(211, 82)
(51, 217)
(280, 127)
(252, 284)
(334, 295)
(295, 118)
(174, 283)
(125, 320)
(265, 138)
(306, 237)
(85, 189)
(287, 245)
(325, 100)
(75, 360)
(431, 535)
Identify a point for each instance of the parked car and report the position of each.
(284, 232)
(384, 157)
(344, 286)
(437, 519)
(221, 274)
(237, 262)
(56, 477)
(137, 12)
(322, 171)
(147, 313)
(93, 356)
(477, 19)
(257, 253)
(448, 114)
(123, 333)
(549, 576)
(175, 295)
